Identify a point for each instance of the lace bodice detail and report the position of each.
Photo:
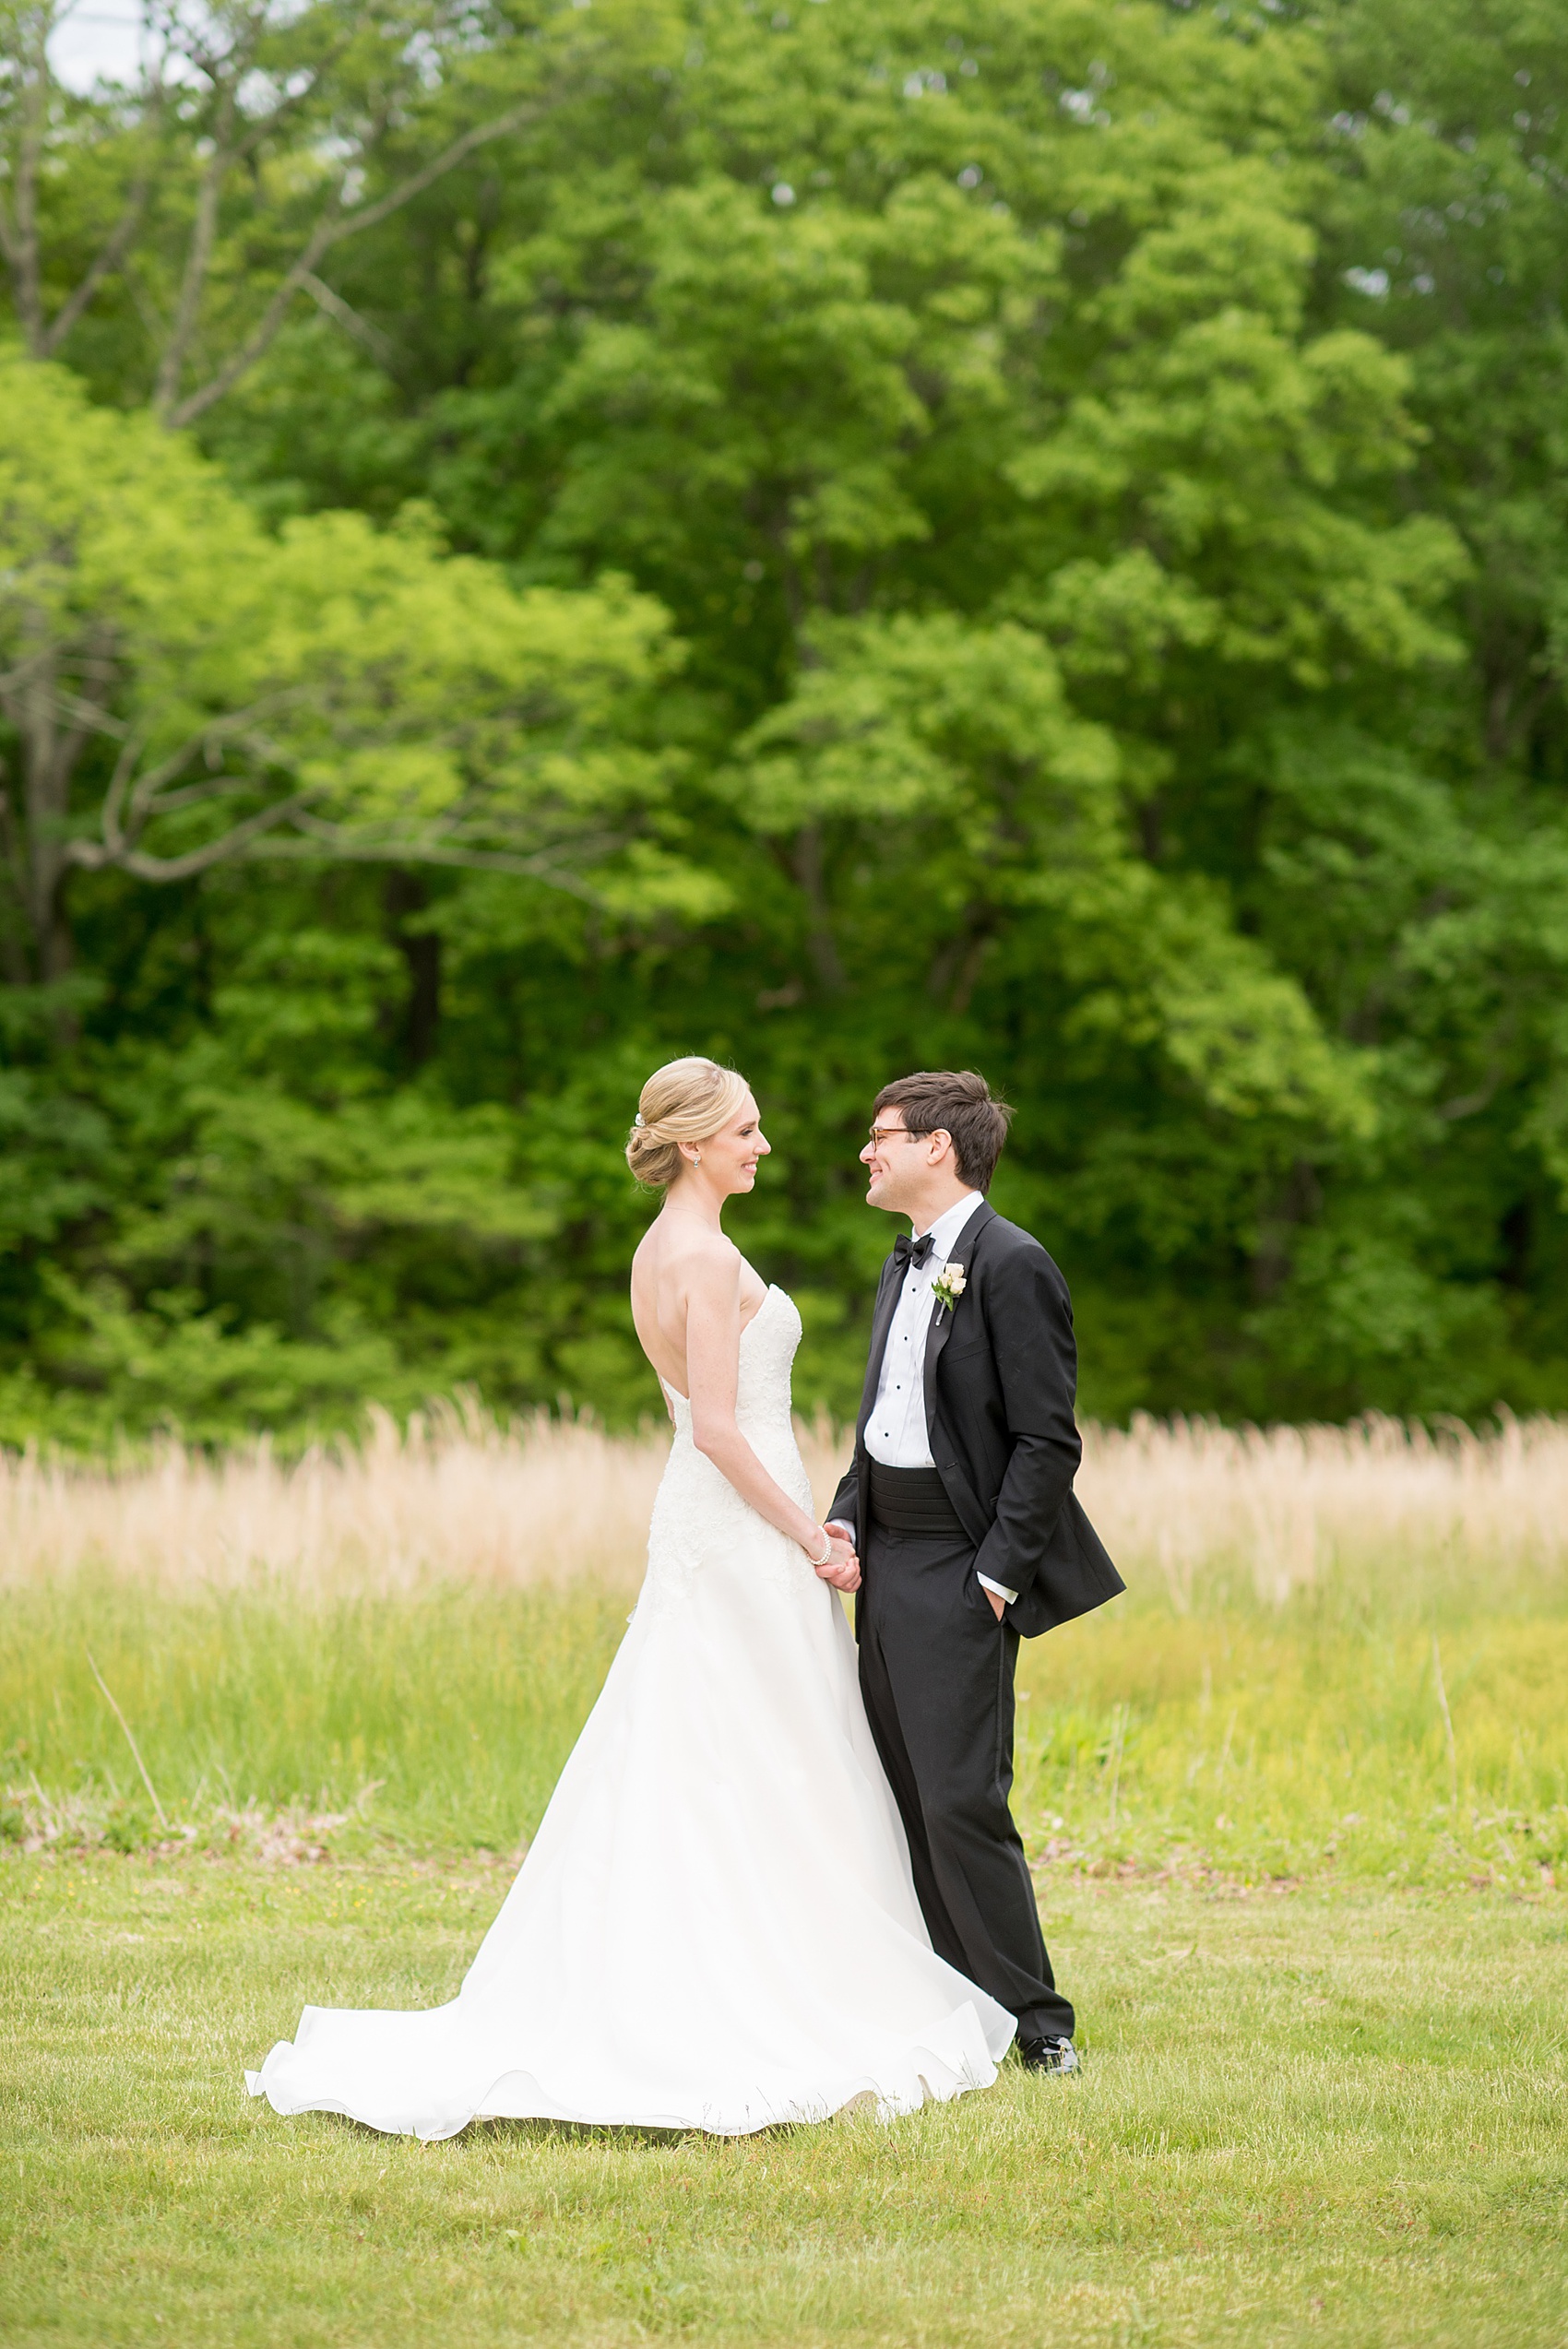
(761, 1388)
(700, 1522)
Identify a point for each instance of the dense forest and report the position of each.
(849, 536)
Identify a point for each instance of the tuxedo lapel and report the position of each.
(886, 1299)
(941, 1326)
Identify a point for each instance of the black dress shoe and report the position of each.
(1048, 2055)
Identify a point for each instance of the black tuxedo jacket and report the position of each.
(1000, 1376)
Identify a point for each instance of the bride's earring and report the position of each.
(697, 1157)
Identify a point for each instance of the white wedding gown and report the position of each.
(715, 1927)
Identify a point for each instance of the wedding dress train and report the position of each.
(715, 1927)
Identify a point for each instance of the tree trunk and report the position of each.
(808, 863)
(421, 949)
(46, 782)
(37, 848)
(14, 964)
(18, 222)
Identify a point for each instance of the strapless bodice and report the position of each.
(701, 1526)
(762, 1402)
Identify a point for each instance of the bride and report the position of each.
(715, 1927)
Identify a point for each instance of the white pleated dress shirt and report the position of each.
(896, 1433)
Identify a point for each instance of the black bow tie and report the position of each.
(911, 1252)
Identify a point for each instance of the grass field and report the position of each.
(1299, 1810)
(1326, 2117)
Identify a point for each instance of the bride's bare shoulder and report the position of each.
(682, 1256)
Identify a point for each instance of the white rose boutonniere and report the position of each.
(949, 1286)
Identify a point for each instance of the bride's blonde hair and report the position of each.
(686, 1100)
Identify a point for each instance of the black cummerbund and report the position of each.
(910, 1500)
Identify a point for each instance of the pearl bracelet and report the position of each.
(826, 1553)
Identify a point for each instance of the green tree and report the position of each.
(1091, 492)
(192, 211)
(186, 688)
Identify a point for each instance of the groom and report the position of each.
(960, 1502)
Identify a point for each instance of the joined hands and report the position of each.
(840, 1567)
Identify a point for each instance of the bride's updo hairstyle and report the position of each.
(685, 1101)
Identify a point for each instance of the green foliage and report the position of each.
(849, 539)
(327, 688)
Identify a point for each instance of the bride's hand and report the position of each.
(842, 1567)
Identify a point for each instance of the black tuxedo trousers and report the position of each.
(936, 1673)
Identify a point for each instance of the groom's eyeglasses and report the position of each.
(881, 1134)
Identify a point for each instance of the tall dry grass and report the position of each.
(454, 1495)
(1384, 1503)
(1189, 1510)
(282, 1638)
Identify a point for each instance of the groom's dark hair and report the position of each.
(958, 1102)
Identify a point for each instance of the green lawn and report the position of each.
(1325, 2115)
(1303, 1871)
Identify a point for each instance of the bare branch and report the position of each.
(240, 725)
(317, 842)
(83, 718)
(19, 226)
(198, 259)
(94, 855)
(332, 231)
(538, 867)
(19, 239)
(119, 783)
(343, 314)
(287, 827)
(35, 665)
(444, 831)
(155, 325)
(225, 71)
(195, 795)
(89, 717)
(104, 262)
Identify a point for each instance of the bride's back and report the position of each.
(676, 1253)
